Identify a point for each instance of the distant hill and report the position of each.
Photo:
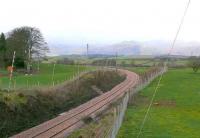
(123, 48)
(154, 47)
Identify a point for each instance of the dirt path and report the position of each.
(62, 125)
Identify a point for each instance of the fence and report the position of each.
(121, 107)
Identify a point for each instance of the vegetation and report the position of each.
(2, 50)
(43, 77)
(138, 70)
(66, 61)
(27, 42)
(104, 62)
(99, 128)
(194, 63)
(23, 109)
(175, 110)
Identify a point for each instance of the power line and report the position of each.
(87, 50)
(161, 76)
(179, 28)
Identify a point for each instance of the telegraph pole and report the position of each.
(38, 67)
(53, 73)
(116, 61)
(87, 50)
(11, 71)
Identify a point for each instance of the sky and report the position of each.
(103, 21)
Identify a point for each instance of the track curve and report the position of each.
(62, 125)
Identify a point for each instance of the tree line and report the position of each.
(28, 44)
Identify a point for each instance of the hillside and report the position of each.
(151, 47)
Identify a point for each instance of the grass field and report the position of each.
(44, 77)
(175, 112)
(138, 70)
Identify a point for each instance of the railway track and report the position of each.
(62, 125)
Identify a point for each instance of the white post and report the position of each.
(27, 83)
(14, 84)
(11, 73)
(53, 74)
(29, 60)
(116, 61)
(38, 68)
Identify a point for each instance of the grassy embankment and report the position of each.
(101, 127)
(175, 111)
(22, 109)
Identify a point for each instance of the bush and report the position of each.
(194, 63)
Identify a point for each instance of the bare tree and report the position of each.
(29, 43)
(194, 63)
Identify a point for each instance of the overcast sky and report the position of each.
(102, 21)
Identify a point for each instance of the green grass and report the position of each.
(177, 113)
(44, 77)
(138, 70)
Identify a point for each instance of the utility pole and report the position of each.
(29, 60)
(116, 61)
(38, 67)
(11, 71)
(87, 51)
(86, 64)
(54, 65)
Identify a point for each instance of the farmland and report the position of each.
(172, 113)
(175, 110)
(44, 77)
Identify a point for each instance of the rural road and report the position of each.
(65, 123)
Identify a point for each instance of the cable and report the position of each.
(179, 28)
(161, 76)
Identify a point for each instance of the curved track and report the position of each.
(62, 125)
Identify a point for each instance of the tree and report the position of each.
(2, 49)
(194, 63)
(28, 43)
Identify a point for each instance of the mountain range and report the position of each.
(154, 47)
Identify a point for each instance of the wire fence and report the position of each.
(42, 80)
(121, 107)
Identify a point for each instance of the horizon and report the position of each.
(73, 24)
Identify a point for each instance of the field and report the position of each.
(44, 77)
(175, 111)
(138, 70)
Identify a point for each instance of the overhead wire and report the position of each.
(161, 76)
